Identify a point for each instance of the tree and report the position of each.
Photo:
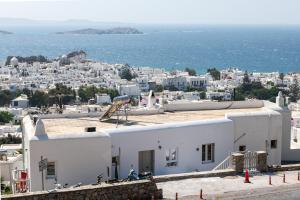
(39, 99)
(281, 77)
(10, 139)
(254, 90)
(5, 117)
(30, 59)
(246, 79)
(294, 90)
(214, 73)
(61, 94)
(88, 92)
(5, 97)
(202, 95)
(126, 73)
(192, 72)
(158, 88)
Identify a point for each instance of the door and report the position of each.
(146, 161)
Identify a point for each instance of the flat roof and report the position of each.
(78, 125)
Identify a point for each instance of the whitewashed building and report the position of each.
(80, 147)
(129, 89)
(103, 99)
(20, 102)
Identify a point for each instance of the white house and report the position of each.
(129, 89)
(197, 81)
(218, 95)
(80, 147)
(20, 102)
(9, 160)
(179, 82)
(103, 99)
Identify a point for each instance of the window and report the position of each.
(51, 170)
(90, 129)
(273, 144)
(208, 153)
(171, 157)
(242, 148)
(16, 103)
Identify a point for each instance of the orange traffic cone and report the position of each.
(247, 177)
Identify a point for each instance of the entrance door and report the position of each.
(146, 161)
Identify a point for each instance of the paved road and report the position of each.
(290, 192)
(233, 187)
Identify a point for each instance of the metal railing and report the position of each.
(225, 164)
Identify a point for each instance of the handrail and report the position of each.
(225, 164)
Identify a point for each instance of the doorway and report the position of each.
(146, 161)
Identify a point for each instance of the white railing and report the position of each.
(225, 164)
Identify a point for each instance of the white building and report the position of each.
(129, 89)
(20, 102)
(197, 81)
(10, 160)
(103, 99)
(178, 82)
(226, 96)
(172, 142)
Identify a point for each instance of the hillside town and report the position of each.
(49, 108)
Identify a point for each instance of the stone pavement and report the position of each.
(219, 188)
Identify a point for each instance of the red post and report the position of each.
(128, 196)
(176, 196)
(247, 177)
(298, 176)
(138, 196)
(270, 180)
(201, 194)
(154, 196)
(284, 178)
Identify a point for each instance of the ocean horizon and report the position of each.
(252, 48)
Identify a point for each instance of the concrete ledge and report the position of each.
(175, 177)
(289, 167)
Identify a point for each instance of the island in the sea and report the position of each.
(5, 32)
(118, 30)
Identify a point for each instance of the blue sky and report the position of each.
(158, 11)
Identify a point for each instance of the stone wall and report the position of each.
(237, 164)
(175, 177)
(262, 161)
(238, 159)
(143, 189)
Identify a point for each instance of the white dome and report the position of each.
(14, 61)
(64, 56)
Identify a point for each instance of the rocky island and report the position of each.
(118, 30)
(5, 32)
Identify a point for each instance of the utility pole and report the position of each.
(43, 165)
(43, 186)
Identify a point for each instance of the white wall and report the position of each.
(100, 99)
(257, 128)
(186, 136)
(212, 105)
(8, 166)
(21, 103)
(76, 159)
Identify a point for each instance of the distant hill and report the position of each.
(75, 23)
(118, 30)
(5, 32)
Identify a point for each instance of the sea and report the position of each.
(253, 48)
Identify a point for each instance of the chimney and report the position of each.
(280, 100)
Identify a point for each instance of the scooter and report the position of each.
(132, 176)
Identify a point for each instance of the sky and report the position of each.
(157, 11)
